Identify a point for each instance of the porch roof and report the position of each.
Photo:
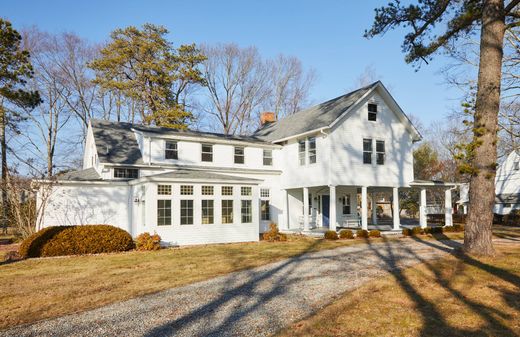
(430, 183)
(198, 175)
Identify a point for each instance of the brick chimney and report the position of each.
(267, 117)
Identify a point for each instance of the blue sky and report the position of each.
(325, 35)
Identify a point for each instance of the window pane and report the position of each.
(301, 152)
(380, 159)
(186, 189)
(207, 190)
(207, 152)
(372, 107)
(264, 210)
(245, 191)
(312, 150)
(164, 212)
(268, 157)
(367, 157)
(186, 212)
(129, 173)
(367, 151)
(207, 211)
(227, 190)
(171, 150)
(380, 146)
(246, 211)
(227, 211)
(380, 150)
(264, 193)
(372, 116)
(164, 189)
(367, 144)
(239, 155)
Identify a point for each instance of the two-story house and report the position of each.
(304, 171)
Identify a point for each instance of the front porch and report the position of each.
(314, 210)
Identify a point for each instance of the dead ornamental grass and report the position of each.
(456, 296)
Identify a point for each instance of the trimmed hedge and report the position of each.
(146, 241)
(362, 233)
(346, 234)
(76, 240)
(331, 235)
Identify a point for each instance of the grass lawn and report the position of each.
(455, 296)
(35, 289)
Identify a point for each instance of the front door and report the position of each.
(325, 210)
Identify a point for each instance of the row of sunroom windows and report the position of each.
(239, 157)
(164, 206)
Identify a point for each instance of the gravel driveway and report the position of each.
(255, 302)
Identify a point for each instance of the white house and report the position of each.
(507, 187)
(304, 171)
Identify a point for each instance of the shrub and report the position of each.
(346, 234)
(435, 230)
(145, 241)
(458, 228)
(374, 233)
(407, 232)
(362, 233)
(417, 230)
(76, 240)
(273, 234)
(331, 235)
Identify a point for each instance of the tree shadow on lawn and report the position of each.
(434, 322)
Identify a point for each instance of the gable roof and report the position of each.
(320, 116)
(89, 174)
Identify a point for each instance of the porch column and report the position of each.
(448, 211)
(332, 208)
(374, 209)
(364, 208)
(395, 206)
(285, 197)
(305, 209)
(422, 209)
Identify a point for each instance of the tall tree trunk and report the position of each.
(3, 148)
(478, 237)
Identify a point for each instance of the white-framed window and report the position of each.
(346, 204)
(380, 152)
(164, 189)
(164, 212)
(367, 151)
(268, 157)
(186, 212)
(239, 155)
(246, 211)
(265, 193)
(207, 190)
(170, 150)
(301, 152)
(312, 150)
(516, 166)
(207, 152)
(227, 190)
(207, 212)
(246, 191)
(186, 189)
(372, 112)
(125, 172)
(265, 213)
(227, 211)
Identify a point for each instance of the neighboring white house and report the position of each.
(198, 187)
(507, 187)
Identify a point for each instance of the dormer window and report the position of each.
(372, 112)
(126, 173)
(516, 166)
(239, 155)
(207, 152)
(170, 151)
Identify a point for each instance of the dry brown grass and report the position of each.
(456, 296)
(41, 288)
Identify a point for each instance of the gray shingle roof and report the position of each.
(200, 175)
(89, 174)
(116, 142)
(507, 198)
(319, 116)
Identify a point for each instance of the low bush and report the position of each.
(417, 231)
(346, 234)
(407, 232)
(273, 234)
(362, 233)
(374, 233)
(458, 228)
(146, 241)
(331, 235)
(436, 230)
(76, 240)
